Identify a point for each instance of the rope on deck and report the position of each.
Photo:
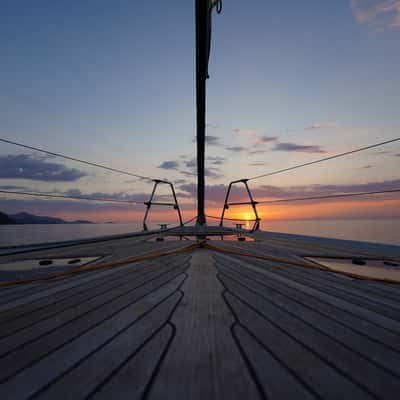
(203, 244)
(112, 264)
(355, 275)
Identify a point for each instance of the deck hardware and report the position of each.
(74, 261)
(357, 261)
(390, 263)
(240, 236)
(253, 204)
(150, 203)
(45, 262)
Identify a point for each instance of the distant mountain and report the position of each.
(26, 218)
(5, 219)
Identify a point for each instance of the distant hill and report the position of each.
(26, 218)
(5, 219)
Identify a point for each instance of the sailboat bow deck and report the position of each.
(202, 324)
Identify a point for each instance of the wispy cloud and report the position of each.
(236, 149)
(245, 132)
(265, 139)
(256, 137)
(12, 187)
(317, 126)
(377, 13)
(213, 173)
(257, 163)
(216, 193)
(110, 196)
(169, 165)
(298, 148)
(213, 140)
(217, 160)
(190, 163)
(24, 166)
(254, 152)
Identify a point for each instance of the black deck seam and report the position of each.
(71, 291)
(165, 350)
(120, 272)
(321, 247)
(295, 316)
(251, 370)
(312, 351)
(38, 285)
(21, 345)
(385, 288)
(156, 371)
(88, 329)
(341, 288)
(48, 316)
(330, 304)
(96, 276)
(354, 298)
(109, 340)
(338, 321)
(332, 277)
(245, 356)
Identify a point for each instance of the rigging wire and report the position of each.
(329, 196)
(231, 219)
(59, 196)
(75, 159)
(324, 159)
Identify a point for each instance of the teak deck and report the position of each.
(202, 325)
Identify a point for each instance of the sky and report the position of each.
(113, 83)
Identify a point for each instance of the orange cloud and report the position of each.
(369, 11)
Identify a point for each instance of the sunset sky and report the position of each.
(112, 82)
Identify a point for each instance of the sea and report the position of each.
(377, 230)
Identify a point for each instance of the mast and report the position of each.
(203, 40)
(201, 76)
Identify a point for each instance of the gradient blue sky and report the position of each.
(113, 82)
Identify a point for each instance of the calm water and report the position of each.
(380, 231)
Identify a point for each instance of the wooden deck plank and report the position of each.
(45, 345)
(63, 317)
(131, 381)
(276, 380)
(275, 272)
(35, 378)
(343, 358)
(326, 381)
(370, 321)
(28, 315)
(354, 322)
(57, 287)
(356, 341)
(242, 328)
(203, 350)
(84, 378)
